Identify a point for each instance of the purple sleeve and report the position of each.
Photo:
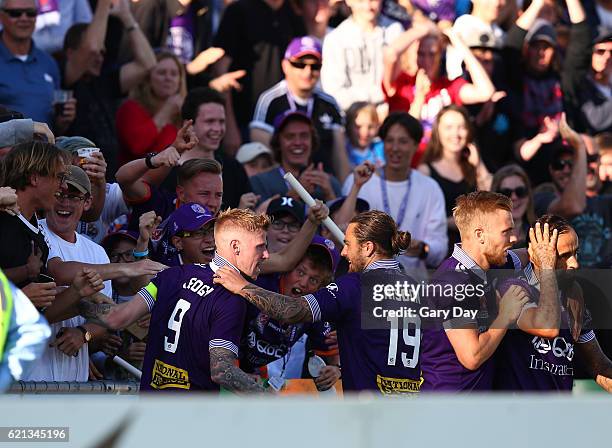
(586, 333)
(336, 300)
(227, 323)
(317, 333)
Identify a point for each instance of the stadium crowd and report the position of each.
(144, 211)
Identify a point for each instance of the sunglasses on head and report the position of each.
(15, 13)
(315, 66)
(559, 165)
(520, 192)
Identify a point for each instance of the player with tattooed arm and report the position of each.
(385, 360)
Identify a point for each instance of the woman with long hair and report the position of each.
(425, 92)
(512, 181)
(453, 160)
(149, 120)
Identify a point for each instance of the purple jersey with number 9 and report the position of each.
(189, 316)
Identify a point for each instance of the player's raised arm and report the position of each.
(544, 319)
(225, 373)
(278, 306)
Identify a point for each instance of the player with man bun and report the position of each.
(372, 359)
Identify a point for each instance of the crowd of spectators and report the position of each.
(115, 114)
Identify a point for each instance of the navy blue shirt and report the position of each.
(27, 87)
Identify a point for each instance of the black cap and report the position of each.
(603, 35)
(288, 205)
(335, 204)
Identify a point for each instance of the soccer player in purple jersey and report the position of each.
(371, 359)
(456, 352)
(196, 326)
(539, 355)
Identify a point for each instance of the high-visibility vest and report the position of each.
(6, 309)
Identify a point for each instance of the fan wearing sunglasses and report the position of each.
(29, 75)
(512, 181)
(298, 91)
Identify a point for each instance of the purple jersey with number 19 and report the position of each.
(189, 316)
(386, 360)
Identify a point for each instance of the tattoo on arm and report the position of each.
(94, 312)
(280, 307)
(227, 375)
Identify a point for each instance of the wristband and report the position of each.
(149, 162)
(142, 254)
(424, 251)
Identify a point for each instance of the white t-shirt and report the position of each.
(353, 66)
(114, 207)
(54, 365)
(424, 216)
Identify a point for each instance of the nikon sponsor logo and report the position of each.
(392, 386)
(165, 376)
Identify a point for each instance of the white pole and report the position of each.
(127, 366)
(309, 200)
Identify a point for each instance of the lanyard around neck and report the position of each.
(385, 197)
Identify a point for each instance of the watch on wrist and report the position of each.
(86, 334)
(149, 162)
(424, 250)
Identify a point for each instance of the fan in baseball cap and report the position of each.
(303, 46)
(287, 205)
(188, 218)
(281, 120)
(329, 247)
(78, 179)
(184, 237)
(287, 215)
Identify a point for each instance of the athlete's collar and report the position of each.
(388, 263)
(532, 277)
(462, 257)
(218, 262)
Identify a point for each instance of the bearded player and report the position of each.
(543, 359)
